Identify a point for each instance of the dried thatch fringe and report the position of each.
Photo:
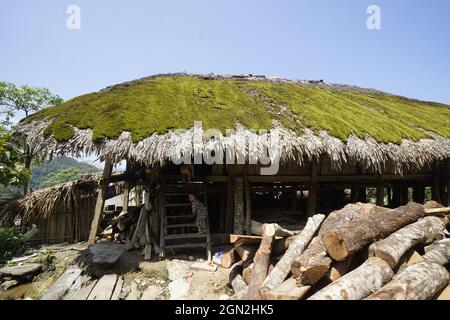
(41, 204)
(248, 145)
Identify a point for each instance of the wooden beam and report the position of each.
(100, 200)
(435, 188)
(448, 182)
(239, 205)
(312, 194)
(248, 207)
(380, 193)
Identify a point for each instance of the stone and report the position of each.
(177, 269)
(106, 253)
(21, 271)
(152, 293)
(9, 284)
(178, 289)
(133, 292)
(204, 266)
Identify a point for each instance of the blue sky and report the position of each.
(124, 40)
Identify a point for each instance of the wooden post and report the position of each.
(354, 194)
(239, 205)
(229, 217)
(248, 207)
(294, 198)
(396, 196)
(312, 194)
(419, 194)
(362, 195)
(380, 193)
(404, 192)
(435, 188)
(125, 196)
(100, 200)
(448, 182)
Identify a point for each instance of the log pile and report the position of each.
(132, 228)
(361, 251)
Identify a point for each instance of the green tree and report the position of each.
(12, 169)
(23, 99)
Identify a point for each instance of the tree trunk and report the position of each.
(359, 283)
(348, 239)
(314, 262)
(438, 252)
(421, 281)
(281, 270)
(392, 248)
(261, 263)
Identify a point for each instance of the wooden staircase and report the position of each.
(178, 228)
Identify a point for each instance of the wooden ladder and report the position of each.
(175, 200)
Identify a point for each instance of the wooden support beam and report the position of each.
(100, 200)
(294, 199)
(248, 207)
(362, 195)
(448, 182)
(312, 194)
(380, 194)
(239, 205)
(229, 217)
(419, 194)
(435, 188)
(354, 193)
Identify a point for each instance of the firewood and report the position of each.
(392, 248)
(237, 282)
(288, 290)
(359, 283)
(339, 269)
(227, 258)
(281, 245)
(247, 272)
(349, 238)
(246, 251)
(301, 241)
(421, 281)
(256, 229)
(314, 262)
(261, 263)
(438, 252)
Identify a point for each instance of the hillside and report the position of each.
(58, 170)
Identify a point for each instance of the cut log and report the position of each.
(421, 281)
(261, 263)
(359, 283)
(246, 251)
(281, 245)
(288, 290)
(283, 267)
(247, 272)
(438, 211)
(314, 262)
(392, 248)
(339, 268)
(141, 233)
(349, 238)
(237, 282)
(409, 258)
(226, 258)
(438, 252)
(256, 228)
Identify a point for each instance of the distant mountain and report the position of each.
(58, 170)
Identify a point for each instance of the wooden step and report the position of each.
(180, 217)
(182, 225)
(178, 204)
(184, 236)
(185, 246)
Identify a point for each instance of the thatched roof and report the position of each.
(138, 121)
(43, 203)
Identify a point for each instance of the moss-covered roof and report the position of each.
(160, 103)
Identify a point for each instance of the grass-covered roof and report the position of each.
(161, 103)
(306, 119)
